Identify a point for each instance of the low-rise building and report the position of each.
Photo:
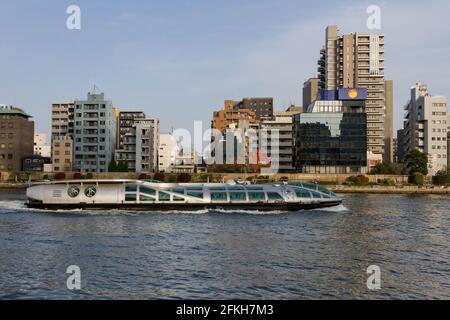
(62, 154)
(41, 148)
(169, 151)
(35, 163)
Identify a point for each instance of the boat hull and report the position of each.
(161, 207)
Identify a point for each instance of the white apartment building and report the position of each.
(41, 148)
(276, 136)
(425, 127)
(168, 153)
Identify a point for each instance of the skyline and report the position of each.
(167, 58)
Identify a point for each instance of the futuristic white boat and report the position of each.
(155, 196)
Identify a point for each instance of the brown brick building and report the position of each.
(229, 115)
(16, 138)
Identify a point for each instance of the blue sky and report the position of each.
(179, 59)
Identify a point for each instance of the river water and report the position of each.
(319, 254)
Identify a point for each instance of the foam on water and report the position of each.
(19, 206)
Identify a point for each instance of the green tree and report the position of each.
(122, 166)
(416, 161)
(112, 166)
(417, 178)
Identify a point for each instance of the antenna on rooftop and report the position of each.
(94, 91)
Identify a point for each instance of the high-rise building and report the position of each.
(16, 138)
(125, 124)
(140, 146)
(389, 144)
(310, 91)
(425, 126)
(94, 133)
(357, 61)
(331, 136)
(62, 135)
(41, 148)
(400, 145)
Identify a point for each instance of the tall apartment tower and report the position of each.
(425, 126)
(357, 61)
(16, 138)
(62, 136)
(94, 133)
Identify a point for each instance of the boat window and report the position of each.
(254, 188)
(218, 196)
(274, 196)
(302, 193)
(195, 194)
(178, 199)
(316, 195)
(73, 191)
(90, 191)
(217, 188)
(148, 191)
(238, 196)
(131, 188)
(145, 198)
(260, 196)
(197, 188)
(323, 190)
(236, 188)
(130, 197)
(178, 191)
(163, 196)
(311, 186)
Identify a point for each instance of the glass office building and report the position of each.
(331, 138)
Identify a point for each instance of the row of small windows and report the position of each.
(6, 136)
(4, 125)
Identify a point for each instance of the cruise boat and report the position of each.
(156, 196)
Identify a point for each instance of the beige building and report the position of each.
(389, 144)
(448, 141)
(62, 136)
(62, 119)
(310, 91)
(357, 61)
(425, 127)
(62, 154)
(16, 138)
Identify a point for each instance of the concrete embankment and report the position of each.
(391, 190)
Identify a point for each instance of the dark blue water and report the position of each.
(207, 255)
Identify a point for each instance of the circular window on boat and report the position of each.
(90, 192)
(73, 191)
